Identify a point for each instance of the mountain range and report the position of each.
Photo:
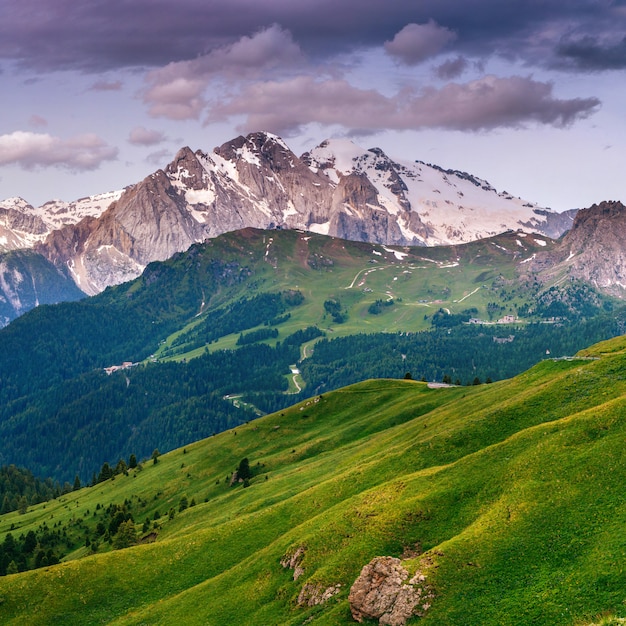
(256, 181)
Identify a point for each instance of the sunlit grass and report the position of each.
(513, 491)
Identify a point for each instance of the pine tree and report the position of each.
(6, 505)
(243, 471)
(22, 505)
(126, 535)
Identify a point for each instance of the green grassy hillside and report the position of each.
(481, 278)
(509, 497)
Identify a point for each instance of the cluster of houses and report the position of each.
(507, 319)
(124, 366)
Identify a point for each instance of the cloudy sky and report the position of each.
(529, 94)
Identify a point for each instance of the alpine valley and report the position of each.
(312, 389)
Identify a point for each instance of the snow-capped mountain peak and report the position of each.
(338, 188)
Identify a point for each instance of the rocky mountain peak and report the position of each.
(594, 250)
(597, 216)
(17, 204)
(603, 223)
(187, 168)
(260, 148)
(336, 189)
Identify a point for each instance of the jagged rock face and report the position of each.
(256, 181)
(357, 214)
(596, 247)
(20, 227)
(27, 280)
(380, 592)
(24, 226)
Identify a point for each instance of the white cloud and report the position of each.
(417, 42)
(32, 150)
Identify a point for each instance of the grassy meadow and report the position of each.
(420, 281)
(509, 497)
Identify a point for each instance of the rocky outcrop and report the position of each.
(293, 561)
(313, 594)
(593, 251)
(381, 592)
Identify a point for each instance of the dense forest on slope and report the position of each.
(20, 489)
(96, 418)
(55, 343)
(460, 354)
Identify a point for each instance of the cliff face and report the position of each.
(28, 280)
(596, 247)
(593, 251)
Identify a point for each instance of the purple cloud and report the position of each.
(417, 42)
(452, 68)
(485, 104)
(593, 54)
(151, 33)
(33, 150)
(141, 136)
(176, 90)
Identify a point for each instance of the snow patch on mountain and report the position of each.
(453, 206)
(23, 225)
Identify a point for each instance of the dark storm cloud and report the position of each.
(591, 54)
(108, 34)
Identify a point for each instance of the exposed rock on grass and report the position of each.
(380, 592)
(313, 594)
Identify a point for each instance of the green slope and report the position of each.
(513, 493)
